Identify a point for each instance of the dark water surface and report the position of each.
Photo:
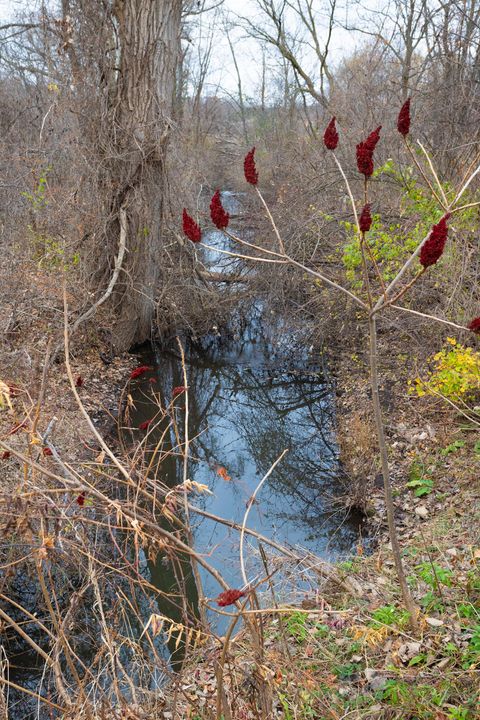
(245, 408)
(254, 391)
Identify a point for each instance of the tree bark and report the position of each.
(140, 100)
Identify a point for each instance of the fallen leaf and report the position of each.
(5, 395)
(408, 650)
(434, 622)
(222, 472)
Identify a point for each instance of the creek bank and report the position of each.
(417, 431)
(339, 655)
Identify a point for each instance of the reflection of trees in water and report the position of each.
(294, 414)
(247, 415)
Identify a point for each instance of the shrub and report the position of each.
(455, 374)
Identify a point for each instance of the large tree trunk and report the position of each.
(140, 101)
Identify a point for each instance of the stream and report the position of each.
(254, 390)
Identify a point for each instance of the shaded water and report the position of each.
(254, 391)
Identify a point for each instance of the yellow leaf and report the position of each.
(5, 396)
(223, 473)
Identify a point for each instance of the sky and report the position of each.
(222, 76)
(247, 50)
(7, 7)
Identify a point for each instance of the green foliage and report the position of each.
(396, 692)
(434, 575)
(390, 245)
(459, 713)
(351, 566)
(296, 626)
(455, 374)
(47, 251)
(50, 253)
(419, 480)
(308, 705)
(453, 447)
(284, 701)
(450, 649)
(473, 582)
(417, 701)
(418, 659)
(471, 655)
(467, 610)
(38, 197)
(343, 672)
(321, 631)
(430, 602)
(390, 615)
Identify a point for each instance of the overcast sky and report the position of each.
(222, 72)
(8, 6)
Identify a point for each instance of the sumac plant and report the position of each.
(377, 296)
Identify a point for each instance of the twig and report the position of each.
(37, 696)
(405, 289)
(188, 528)
(122, 243)
(349, 191)
(429, 317)
(401, 272)
(467, 183)
(245, 517)
(440, 187)
(422, 172)
(272, 221)
(244, 257)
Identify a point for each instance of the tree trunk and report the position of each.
(140, 104)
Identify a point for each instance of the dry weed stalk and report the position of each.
(90, 521)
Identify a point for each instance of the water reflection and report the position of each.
(251, 395)
(254, 391)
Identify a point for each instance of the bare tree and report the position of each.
(138, 99)
(117, 63)
(453, 41)
(400, 27)
(292, 27)
(241, 101)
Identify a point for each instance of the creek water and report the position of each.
(254, 390)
